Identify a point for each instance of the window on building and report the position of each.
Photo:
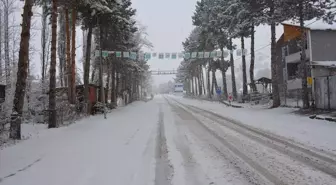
(292, 70)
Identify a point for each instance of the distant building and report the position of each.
(319, 49)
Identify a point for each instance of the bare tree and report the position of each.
(7, 7)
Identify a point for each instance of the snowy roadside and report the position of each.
(281, 121)
(32, 130)
(116, 150)
(259, 158)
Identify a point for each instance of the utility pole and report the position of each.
(304, 75)
(102, 93)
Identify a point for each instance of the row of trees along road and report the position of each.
(108, 24)
(219, 22)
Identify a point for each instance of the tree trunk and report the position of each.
(117, 84)
(15, 124)
(212, 84)
(233, 77)
(304, 75)
(202, 81)
(44, 40)
(123, 85)
(253, 85)
(48, 51)
(113, 84)
(244, 66)
(274, 65)
(208, 82)
(199, 85)
(87, 69)
(61, 46)
(101, 84)
(68, 54)
(195, 86)
(0, 43)
(214, 81)
(225, 91)
(189, 86)
(93, 74)
(108, 80)
(6, 43)
(28, 86)
(73, 55)
(192, 86)
(52, 69)
(200, 90)
(13, 47)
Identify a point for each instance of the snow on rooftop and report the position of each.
(325, 63)
(313, 24)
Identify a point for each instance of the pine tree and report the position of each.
(16, 118)
(273, 14)
(52, 123)
(208, 16)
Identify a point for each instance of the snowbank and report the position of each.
(282, 121)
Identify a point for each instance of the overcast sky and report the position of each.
(169, 23)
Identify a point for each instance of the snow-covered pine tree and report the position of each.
(89, 20)
(208, 16)
(273, 13)
(217, 19)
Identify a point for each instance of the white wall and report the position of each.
(294, 84)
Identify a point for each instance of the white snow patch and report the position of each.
(116, 150)
(281, 121)
(313, 24)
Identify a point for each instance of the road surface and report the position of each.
(163, 142)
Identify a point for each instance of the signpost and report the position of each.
(178, 87)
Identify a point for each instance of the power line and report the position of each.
(270, 44)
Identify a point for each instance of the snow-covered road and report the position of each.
(167, 141)
(119, 150)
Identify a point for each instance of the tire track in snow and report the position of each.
(321, 162)
(253, 171)
(309, 157)
(192, 170)
(194, 149)
(142, 175)
(164, 170)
